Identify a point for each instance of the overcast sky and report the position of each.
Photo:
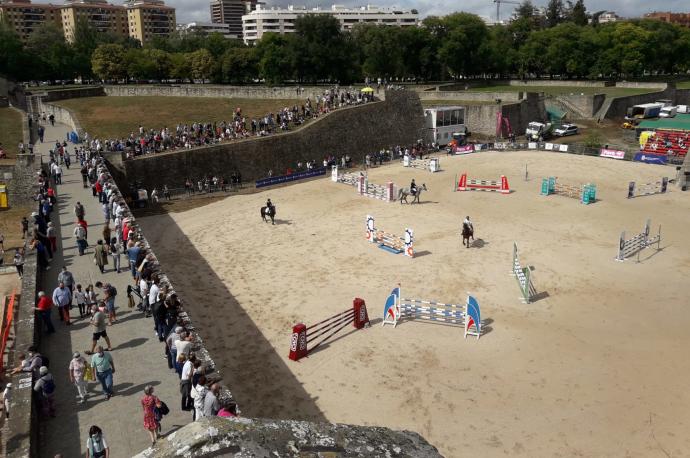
(198, 10)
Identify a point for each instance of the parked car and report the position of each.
(565, 130)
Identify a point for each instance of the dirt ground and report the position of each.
(597, 367)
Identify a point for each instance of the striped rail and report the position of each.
(466, 184)
(647, 189)
(432, 164)
(466, 315)
(523, 277)
(627, 248)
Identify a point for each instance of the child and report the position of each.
(91, 297)
(80, 297)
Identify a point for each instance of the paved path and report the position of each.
(137, 353)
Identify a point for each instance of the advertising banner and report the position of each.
(612, 153)
(651, 158)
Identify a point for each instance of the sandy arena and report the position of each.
(597, 367)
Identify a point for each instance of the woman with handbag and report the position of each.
(78, 371)
(149, 402)
(100, 255)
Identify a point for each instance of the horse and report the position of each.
(467, 233)
(270, 212)
(404, 192)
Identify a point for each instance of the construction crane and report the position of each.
(498, 8)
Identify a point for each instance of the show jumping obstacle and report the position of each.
(432, 164)
(468, 315)
(391, 242)
(347, 178)
(303, 336)
(482, 185)
(523, 277)
(639, 242)
(381, 192)
(647, 189)
(585, 193)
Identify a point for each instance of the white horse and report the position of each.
(404, 192)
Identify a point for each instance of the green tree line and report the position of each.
(567, 42)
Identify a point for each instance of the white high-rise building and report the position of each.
(282, 20)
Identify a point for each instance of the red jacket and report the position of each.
(99, 188)
(44, 303)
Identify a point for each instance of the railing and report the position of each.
(6, 328)
(271, 181)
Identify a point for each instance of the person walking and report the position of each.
(100, 255)
(79, 211)
(81, 300)
(77, 370)
(104, 367)
(67, 278)
(45, 386)
(44, 307)
(96, 446)
(51, 232)
(62, 297)
(19, 261)
(80, 237)
(99, 324)
(115, 252)
(149, 402)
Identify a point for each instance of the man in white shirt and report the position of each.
(186, 383)
(144, 292)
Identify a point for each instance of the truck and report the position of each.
(537, 131)
(644, 111)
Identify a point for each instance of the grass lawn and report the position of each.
(566, 90)
(10, 130)
(116, 117)
(683, 85)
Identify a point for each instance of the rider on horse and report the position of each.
(413, 188)
(269, 205)
(468, 223)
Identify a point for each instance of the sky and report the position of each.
(198, 10)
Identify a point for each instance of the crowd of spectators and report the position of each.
(150, 140)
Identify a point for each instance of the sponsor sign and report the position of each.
(563, 148)
(467, 149)
(651, 158)
(548, 146)
(612, 153)
(532, 145)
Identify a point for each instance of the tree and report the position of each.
(554, 13)
(275, 59)
(239, 65)
(53, 58)
(319, 49)
(466, 46)
(201, 64)
(14, 61)
(578, 12)
(108, 62)
(525, 10)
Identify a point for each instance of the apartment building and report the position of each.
(673, 18)
(208, 28)
(282, 20)
(24, 17)
(230, 12)
(148, 19)
(99, 14)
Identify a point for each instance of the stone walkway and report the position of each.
(137, 354)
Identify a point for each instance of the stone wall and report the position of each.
(62, 115)
(218, 436)
(620, 105)
(356, 131)
(642, 85)
(204, 90)
(559, 83)
(481, 119)
(471, 96)
(21, 179)
(62, 94)
(22, 427)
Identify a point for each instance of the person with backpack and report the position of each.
(45, 386)
(96, 446)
